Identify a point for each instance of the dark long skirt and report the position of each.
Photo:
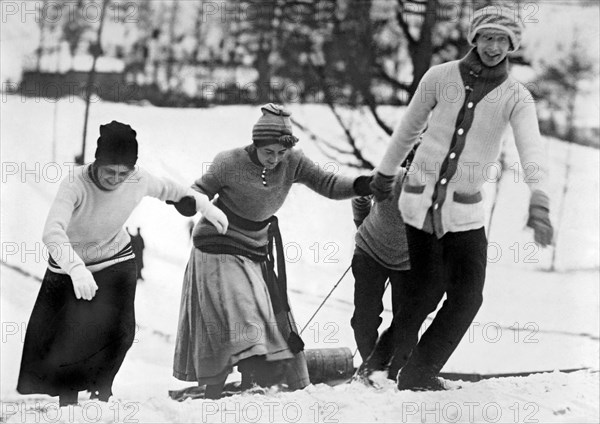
(73, 345)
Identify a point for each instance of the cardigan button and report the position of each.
(436, 206)
(470, 105)
(452, 155)
(460, 131)
(444, 181)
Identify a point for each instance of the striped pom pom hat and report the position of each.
(496, 17)
(273, 124)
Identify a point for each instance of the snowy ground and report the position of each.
(531, 319)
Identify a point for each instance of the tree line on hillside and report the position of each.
(356, 53)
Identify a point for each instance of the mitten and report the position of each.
(361, 207)
(382, 186)
(213, 214)
(362, 185)
(84, 284)
(186, 206)
(539, 218)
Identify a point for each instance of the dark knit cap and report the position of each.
(272, 126)
(117, 145)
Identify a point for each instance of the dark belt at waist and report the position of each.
(126, 251)
(241, 222)
(278, 291)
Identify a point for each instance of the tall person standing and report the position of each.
(467, 105)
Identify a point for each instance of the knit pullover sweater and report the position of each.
(237, 177)
(85, 223)
(381, 233)
(467, 108)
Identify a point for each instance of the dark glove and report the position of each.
(295, 343)
(185, 206)
(381, 186)
(362, 185)
(539, 218)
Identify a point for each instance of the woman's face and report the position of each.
(492, 46)
(269, 156)
(112, 176)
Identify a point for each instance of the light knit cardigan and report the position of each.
(465, 128)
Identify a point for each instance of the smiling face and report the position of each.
(111, 177)
(270, 155)
(492, 46)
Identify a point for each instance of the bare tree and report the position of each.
(42, 9)
(173, 22)
(96, 51)
(49, 22)
(559, 86)
(560, 80)
(75, 25)
(198, 33)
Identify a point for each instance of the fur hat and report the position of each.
(117, 145)
(496, 17)
(274, 126)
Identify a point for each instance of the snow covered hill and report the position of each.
(531, 319)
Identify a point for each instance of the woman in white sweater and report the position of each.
(83, 321)
(467, 105)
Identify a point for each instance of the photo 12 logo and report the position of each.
(37, 411)
(269, 412)
(53, 12)
(469, 412)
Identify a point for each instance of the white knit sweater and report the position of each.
(448, 104)
(85, 224)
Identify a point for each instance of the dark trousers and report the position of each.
(454, 265)
(369, 285)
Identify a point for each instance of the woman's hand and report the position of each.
(381, 185)
(186, 206)
(209, 211)
(84, 284)
(362, 185)
(539, 218)
(217, 218)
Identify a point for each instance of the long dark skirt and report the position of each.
(74, 345)
(226, 317)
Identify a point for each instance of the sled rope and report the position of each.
(326, 297)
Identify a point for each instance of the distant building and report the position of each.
(69, 77)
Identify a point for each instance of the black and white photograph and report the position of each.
(300, 211)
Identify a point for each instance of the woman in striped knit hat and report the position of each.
(234, 308)
(467, 105)
(83, 321)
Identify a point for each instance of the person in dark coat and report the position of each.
(138, 245)
(380, 255)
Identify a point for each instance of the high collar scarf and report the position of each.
(488, 75)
